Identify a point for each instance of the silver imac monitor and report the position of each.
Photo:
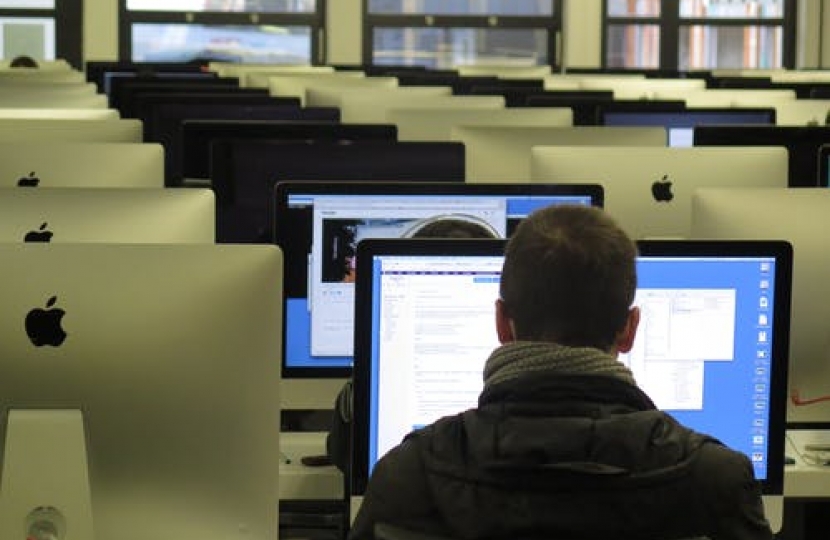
(141, 215)
(711, 349)
(649, 190)
(502, 153)
(67, 163)
(147, 379)
(71, 129)
(799, 216)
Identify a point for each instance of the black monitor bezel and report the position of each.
(284, 234)
(789, 137)
(781, 250)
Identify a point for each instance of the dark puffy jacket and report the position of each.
(571, 457)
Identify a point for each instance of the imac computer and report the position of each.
(146, 104)
(68, 114)
(711, 349)
(140, 391)
(114, 215)
(244, 174)
(370, 105)
(166, 117)
(25, 99)
(430, 124)
(99, 72)
(298, 84)
(71, 130)
(737, 97)
(802, 142)
(584, 103)
(123, 94)
(649, 190)
(797, 216)
(68, 163)
(680, 124)
(502, 153)
(625, 87)
(198, 135)
(319, 224)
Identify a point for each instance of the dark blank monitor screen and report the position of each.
(147, 103)
(318, 226)
(681, 124)
(167, 115)
(105, 80)
(244, 174)
(322, 123)
(711, 348)
(96, 71)
(802, 142)
(123, 95)
(584, 103)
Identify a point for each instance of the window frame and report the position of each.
(670, 23)
(552, 24)
(316, 21)
(68, 17)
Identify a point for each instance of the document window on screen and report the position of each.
(704, 345)
(340, 223)
(436, 331)
(702, 353)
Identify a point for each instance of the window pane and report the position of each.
(633, 46)
(257, 6)
(462, 7)
(730, 47)
(633, 8)
(27, 4)
(733, 9)
(184, 42)
(447, 47)
(30, 36)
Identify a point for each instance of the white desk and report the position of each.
(803, 479)
(301, 482)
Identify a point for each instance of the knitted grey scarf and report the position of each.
(522, 357)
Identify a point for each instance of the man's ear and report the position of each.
(504, 324)
(625, 339)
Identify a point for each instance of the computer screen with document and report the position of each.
(424, 326)
(319, 224)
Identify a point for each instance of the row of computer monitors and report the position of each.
(318, 225)
(98, 329)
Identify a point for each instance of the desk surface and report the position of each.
(300, 482)
(804, 479)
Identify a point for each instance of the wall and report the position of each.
(582, 39)
(101, 29)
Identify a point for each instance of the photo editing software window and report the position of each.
(433, 329)
(319, 318)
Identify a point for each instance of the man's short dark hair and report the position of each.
(569, 277)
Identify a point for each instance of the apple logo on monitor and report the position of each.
(29, 181)
(42, 234)
(661, 189)
(43, 326)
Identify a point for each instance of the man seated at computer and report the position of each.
(563, 444)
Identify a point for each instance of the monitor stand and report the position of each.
(774, 510)
(44, 477)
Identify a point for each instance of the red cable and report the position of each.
(795, 396)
